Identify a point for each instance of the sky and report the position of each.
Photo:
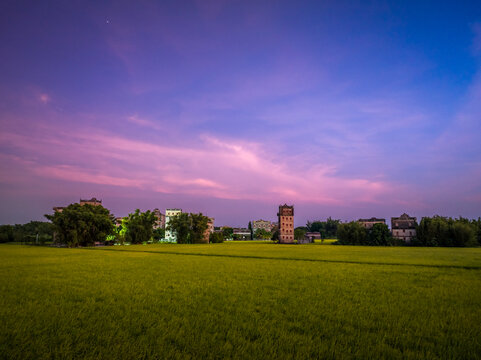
(349, 109)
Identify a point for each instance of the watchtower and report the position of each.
(286, 224)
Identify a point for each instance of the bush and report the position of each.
(216, 238)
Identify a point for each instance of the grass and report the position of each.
(239, 300)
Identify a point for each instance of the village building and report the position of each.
(241, 233)
(169, 235)
(93, 201)
(369, 223)
(209, 230)
(404, 227)
(262, 224)
(309, 237)
(286, 224)
(159, 219)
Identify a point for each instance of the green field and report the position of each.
(239, 300)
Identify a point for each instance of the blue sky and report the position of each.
(350, 109)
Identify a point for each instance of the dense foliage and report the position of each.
(353, 233)
(216, 237)
(299, 232)
(228, 232)
(189, 228)
(82, 225)
(328, 229)
(33, 232)
(158, 234)
(444, 231)
(139, 226)
(262, 234)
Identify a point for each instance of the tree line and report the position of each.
(87, 225)
(431, 231)
(34, 232)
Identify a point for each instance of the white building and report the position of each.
(169, 213)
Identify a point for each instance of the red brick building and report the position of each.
(286, 224)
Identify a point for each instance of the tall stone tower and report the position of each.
(286, 224)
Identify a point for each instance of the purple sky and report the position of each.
(232, 107)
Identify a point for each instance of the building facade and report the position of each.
(93, 201)
(241, 234)
(286, 224)
(169, 213)
(369, 223)
(262, 224)
(404, 227)
(160, 219)
(209, 230)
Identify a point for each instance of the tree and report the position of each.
(36, 231)
(262, 234)
(379, 234)
(189, 228)
(299, 233)
(250, 229)
(158, 234)
(216, 237)
(6, 233)
(199, 227)
(139, 226)
(227, 232)
(327, 229)
(275, 233)
(444, 231)
(81, 225)
(351, 233)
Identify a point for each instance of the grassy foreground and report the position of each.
(239, 300)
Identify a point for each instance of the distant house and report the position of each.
(169, 213)
(404, 227)
(93, 201)
(209, 230)
(369, 223)
(262, 224)
(242, 233)
(309, 237)
(159, 219)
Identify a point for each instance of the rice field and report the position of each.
(239, 300)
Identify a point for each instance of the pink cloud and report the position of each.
(227, 169)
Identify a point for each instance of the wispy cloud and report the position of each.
(135, 119)
(229, 169)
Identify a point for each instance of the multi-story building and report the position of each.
(169, 213)
(369, 223)
(404, 227)
(261, 224)
(286, 224)
(160, 219)
(209, 230)
(93, 201)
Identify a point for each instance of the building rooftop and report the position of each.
(372, 220)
